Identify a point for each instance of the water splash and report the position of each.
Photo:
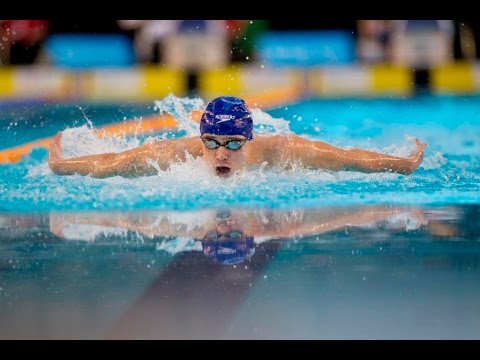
(266, 124)
(433, 162)
(89, 122)
(449, 172)
(85, 141)
(181, 109)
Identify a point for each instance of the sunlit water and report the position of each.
(448, 174)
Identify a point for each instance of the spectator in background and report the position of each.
(467, 39)
(243, 36)
(416, 25)
(421, 44)
(190, 46)
(150, 35)
(21, 40)
(206, 26)
(372, 42)
(4, 45)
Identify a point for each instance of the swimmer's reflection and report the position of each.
(194, 296)
(199, 297)
(229, 237)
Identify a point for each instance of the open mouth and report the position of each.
(223, 171)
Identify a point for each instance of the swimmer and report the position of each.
(227, 145)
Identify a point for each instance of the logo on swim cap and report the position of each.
(227, 115)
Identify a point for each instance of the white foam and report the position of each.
(84, 141)
(265, 123)
(434, 161)
(181, 109)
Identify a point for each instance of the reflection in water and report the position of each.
(303, 273)
(229, 236)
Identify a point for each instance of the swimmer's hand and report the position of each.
(416, 156)
(55, 149)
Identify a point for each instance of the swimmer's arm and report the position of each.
(134, 162)
(322, 155)
(128, 163)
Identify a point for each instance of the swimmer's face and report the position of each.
(225, 153)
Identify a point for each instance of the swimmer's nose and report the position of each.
(222, 153)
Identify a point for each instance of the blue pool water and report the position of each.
(267, 254)
(448, 174)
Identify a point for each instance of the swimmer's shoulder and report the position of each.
(191, 144)
(270, 140)
(266, 147)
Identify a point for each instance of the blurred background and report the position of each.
(142, 60)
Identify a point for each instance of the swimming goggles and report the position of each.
(231, 235)
(229, 144)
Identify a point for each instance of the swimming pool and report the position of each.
(324, 255)
(448, 174)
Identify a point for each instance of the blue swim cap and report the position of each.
(229, 252)
(227, 115)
